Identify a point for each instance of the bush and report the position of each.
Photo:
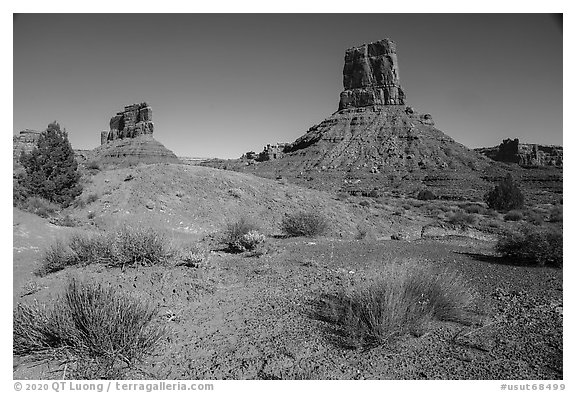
(405, 299)
(473, 208)
(193, 255)
(556, 214)
(51, 170)
(92, 198)
(251, 241)
(139, 246)
(374, 194)
(93, 165)
(308, 224)
(513, 215)
(364, 203)
(236, 231)
(533, 217)
(461, 218)
(425, 195)
(89, 323)
(124, 247)
(505, 196)
(532, 246)
(40, 206)
(65, 221)
(57, 257)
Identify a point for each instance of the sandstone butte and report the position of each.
(130, 140)
(375, 140)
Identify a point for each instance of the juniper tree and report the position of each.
(51, 170)
(505, 196)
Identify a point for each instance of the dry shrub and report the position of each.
(556, 214)
(88, 323)
(514, 215)
(91, 198)
(461, 218)
(242, 235)
(474, 208)
(404, 299)
(308, 224)
(533, 246)
(40, 206)
(425, 195)
(56, 257)
(139, 246)
(126, 246)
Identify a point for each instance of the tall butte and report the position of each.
(129, 140)
(376, 141)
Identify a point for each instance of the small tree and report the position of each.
(51, 168)
(505, 196)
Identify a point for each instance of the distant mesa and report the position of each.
(25, 141)
(525, 154)
(129, 140)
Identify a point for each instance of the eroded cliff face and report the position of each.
(371, 76)
(133, 121)
(525, 154)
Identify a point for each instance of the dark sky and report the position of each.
(220, 85)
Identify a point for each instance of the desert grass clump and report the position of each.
(90, 323)
(532, 246)
(40, 206)
(309, 224)
(404, 299)
(514, 215)
(125, 247)
(461, 218)
(56, 257)
(139, 246)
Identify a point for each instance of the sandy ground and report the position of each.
(241, 317)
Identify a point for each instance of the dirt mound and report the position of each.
(197, 201)
(143, 149)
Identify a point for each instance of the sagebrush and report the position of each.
(404, 299)
(533, 245)
(124, 247)
(242, 235)
(308, 224)
(88, 323)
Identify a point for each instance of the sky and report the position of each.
(223, 84)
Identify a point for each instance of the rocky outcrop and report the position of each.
(25, 141)
(135, 120)
(525, 154)
(371, 76)
(129, 140)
